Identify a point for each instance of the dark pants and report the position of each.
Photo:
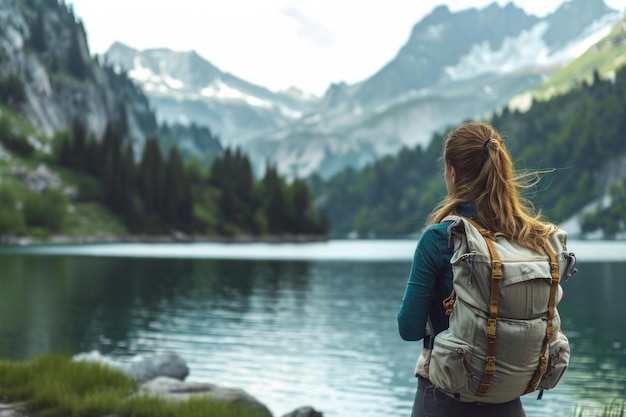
(431, 402)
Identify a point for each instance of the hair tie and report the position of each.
(486, 147)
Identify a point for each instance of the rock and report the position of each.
(143, 368)
(304, 412)
(13, 410)
(175, 390)
(147, 368)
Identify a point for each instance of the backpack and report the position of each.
(504, 338)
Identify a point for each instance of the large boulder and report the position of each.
(175, 390)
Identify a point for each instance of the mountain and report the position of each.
(454, 66)
(44, 53)
(602, 60)
(183, 87)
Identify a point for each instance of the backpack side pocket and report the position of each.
(449, 364)
(558, 361)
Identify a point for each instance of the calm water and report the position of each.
(298, 325)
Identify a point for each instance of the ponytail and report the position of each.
(485, 176)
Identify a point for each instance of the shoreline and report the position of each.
(10, 240)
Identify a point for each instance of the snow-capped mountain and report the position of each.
(184, 87)
(454, 66)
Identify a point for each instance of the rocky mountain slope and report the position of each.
(43, 49)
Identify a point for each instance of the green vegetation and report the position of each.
(610, 219)
(162, 195)
(54, 386)
(113, 193)
(602, 60)
(13, 138)
(38, 213)
(89, 219)
(193, 142)
(614, 409)
(578, 134)
(12, 90)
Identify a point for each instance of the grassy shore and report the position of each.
(54, 386)
(617, 408)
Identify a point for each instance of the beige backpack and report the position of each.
(505, 337)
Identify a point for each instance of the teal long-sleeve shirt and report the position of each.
(430, 281)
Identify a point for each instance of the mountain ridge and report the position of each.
(186, 88)
(443, 74)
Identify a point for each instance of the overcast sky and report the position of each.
(276, 43)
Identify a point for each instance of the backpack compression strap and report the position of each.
(496, 279)
(543, 359)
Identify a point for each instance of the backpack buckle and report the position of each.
(496, 270)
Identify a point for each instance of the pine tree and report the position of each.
(111, 150)
(303, 212)
(79, 147)
(38, 33)
(276, 208)
(152, 178)
(175, 185)
(125, 184)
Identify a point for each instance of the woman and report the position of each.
(479, 177)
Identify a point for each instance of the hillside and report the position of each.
(579, 133)
(601, 60)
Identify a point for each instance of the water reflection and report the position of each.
(593, 310)
(65, 303)
(289, 332)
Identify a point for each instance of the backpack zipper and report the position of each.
(459, 351)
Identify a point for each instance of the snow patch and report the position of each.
(592, 35)
(291, 113)
(220, 90)
(527, 50)
(434, 32)
(521, 102)
(173, 83)
(141, 73)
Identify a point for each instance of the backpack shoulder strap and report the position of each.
(496, 279)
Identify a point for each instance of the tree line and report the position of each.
(160, 194)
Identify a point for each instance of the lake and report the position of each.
(292, 324)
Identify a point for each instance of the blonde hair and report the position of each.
(484, 175)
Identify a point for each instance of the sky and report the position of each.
(276, 44)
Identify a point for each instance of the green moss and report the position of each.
(54, 386)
